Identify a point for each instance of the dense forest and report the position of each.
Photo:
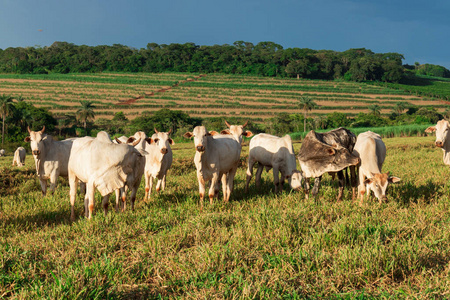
(262, 59)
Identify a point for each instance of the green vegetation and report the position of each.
(262, 59)
(260, 245)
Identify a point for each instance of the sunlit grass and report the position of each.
(260, 245)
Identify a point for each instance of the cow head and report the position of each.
(295, 180)
(162, 140)
(378, 183)
(36, 140)
(237, 131)
(441, 129)
(200, 135)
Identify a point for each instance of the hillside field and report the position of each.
(260, 245)
(203, 95)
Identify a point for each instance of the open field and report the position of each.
(260, 245)
(208, 95)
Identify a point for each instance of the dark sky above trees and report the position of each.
(419, 30)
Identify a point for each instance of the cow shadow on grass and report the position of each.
(409, 192)
(39, 220)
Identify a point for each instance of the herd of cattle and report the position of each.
(118, 165)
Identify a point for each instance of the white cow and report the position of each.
(277, 153)
(442, 138)
(2, 152)
(158, 161)
(51, 157)
(104, 166)
(19, 157)
(371, 150)
(215, 159)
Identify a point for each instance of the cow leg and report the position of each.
(214, 188)
(276, 179)
(123, 192)
(354, 181)
(361, 186)
(225, 190)
(117, 192)
(251, 163)
(147, 186)
(105, 204)
(53, 181)
(43, 186)
(86, 205)
(315, 189)
(230, 183)
(341, 184)
(201, 188)
(158, 185)
(307, 188)
(133, 197)
(90, 193)
(163, 183)
(73, 182)
(258, 175)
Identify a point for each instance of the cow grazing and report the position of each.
(317, 157)
(442, 138)
(215, 159)
(2, 152)
(19, 157)
(371, 150)
(158, 161)
(277, 153)
(104, 166)
(51, 157)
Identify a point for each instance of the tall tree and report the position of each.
(85, 113)
(6, 108)
(306, 103)
(375, 109)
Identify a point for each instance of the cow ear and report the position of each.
(247, 133)
(368, 181)
(331, 151)
(27, 139)
(393, 179)
(213, 133)
(171, 141)
(225, 131)
(130, 140)
(188, 135)
(430, 129)
(149, 140)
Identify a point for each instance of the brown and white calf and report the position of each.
(19, 157)
(442, 138)
(371, 149)
(215, 159)
(273, 152)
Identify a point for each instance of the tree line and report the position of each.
(262, 59)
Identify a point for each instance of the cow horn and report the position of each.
(43, 129)
(118, 141)
(136, 142)
(170, 131)
(156, 130)
(28, 127)
(245, 124)
(227, 123)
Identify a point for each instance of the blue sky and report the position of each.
(420, 30)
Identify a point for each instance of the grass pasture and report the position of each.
(260, 245)
(209, 95)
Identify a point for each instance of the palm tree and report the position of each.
(399, 107)
(306, 103)
(375, 109)
(6, 107)
(85, 113)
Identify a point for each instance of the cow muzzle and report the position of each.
(200, 148)
(164, 150)
(439, 144)
(36, 152)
